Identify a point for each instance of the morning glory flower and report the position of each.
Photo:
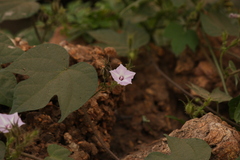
(234, 15)
(8, 120)
(122, 76)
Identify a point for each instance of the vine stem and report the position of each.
(30, 156)
(217, 65)
(36, 30)
(234, 72)
(188, 94)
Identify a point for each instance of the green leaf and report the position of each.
(7, 84)
(5, 39)
(200, 91)
(17, 9)
(178, 3)
(57, 152)
(136, 36)
(215, 23)
(132, 38)
(234, 108)
(8, 52)
(30, 36)
(216, 95)
(2, 150)
(180, 38)
(135, 4)
(112, 39)
(191, 39)
(183, 149)
(237, 114)
(219, 96)
(173, 30)
(144, 10)
(47, 67)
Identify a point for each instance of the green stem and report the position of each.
(217, 66)
(232, 54)
(234, 72)
(221, 61)
(30, 156)
(36, 30)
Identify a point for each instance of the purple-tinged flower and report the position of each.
(8, 120)
(122, 76)
(234, 15)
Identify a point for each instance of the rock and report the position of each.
(222, 138)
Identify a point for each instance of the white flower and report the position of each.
(8, 120)
(234, 15)
(122, 76)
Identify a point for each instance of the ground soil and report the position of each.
(118, 114)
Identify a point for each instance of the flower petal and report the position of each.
(125, 82)
(129, 74)
(122, 73)
(9, 120)
(121, 69)
(115, 75)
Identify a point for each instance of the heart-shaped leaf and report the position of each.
(216, 95)
(17, 9)
(219, 96)
(5, 39)
(7, 84)
(8, 52)
(200, 91)
(47, 67)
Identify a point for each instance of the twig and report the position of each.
(88, 120)
(188, 94)
(30, 156)
(234, 55)
(36, 30)
(234, 72)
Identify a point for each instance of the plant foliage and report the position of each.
(57, 152)
(2, 150)
(216, 95)
(183, 149)
(234, 108)
(50, 75)
(17, 9)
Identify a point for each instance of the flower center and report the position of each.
(121, 78)
(8, 126)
